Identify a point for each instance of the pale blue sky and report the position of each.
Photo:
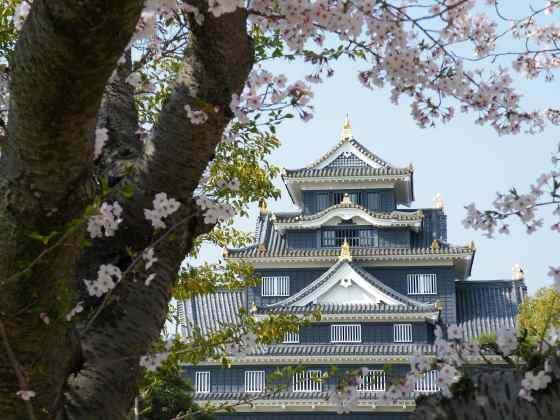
(462, 161)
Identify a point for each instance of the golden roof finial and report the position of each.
(435, 245)
(346, 133)
(225, 253)
(261, 248)
(345, 252)
(253, 309)
(438, 201)
(518, 273)
(263, 207)
(346, 199)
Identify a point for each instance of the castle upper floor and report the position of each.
(350, 169)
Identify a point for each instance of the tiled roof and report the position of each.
(211, 312)
(332, 308)
(364, 171)
(486, 306)
(314, 285)
(389, 349)
(271, 243)
(393, 215)
(358, 146)
(283, 395)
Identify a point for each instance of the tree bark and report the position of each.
(64, 55)
(216, 65)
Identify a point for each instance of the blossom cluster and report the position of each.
(108, 277)
(263, 90)
(534, 382)
(152, 362)
(163, 207)
(74, 311)
(149, 258)
(214, 211)
(106, 222)
(196, 117)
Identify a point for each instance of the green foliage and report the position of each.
(540, 312)
(8, 32)
(166, 395)
(488, 339)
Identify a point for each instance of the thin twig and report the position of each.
(17, 368)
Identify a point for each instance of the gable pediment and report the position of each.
(347, 286)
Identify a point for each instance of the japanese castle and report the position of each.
(381, 274)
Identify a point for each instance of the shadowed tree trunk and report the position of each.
(64, 58)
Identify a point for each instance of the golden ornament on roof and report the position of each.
(261, 248)
(346, 199)
(263, 207)
(346, 133)
(518, 273)
(435, 245)
(345, 252)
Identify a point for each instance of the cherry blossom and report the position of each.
(506, 339)
(454, 332)
(74, 311)
(153, 362)
(26, 395)
(108, 277)
(196, 117)
(106, 222)
(163, 207)
(149, 257)
(149, 279)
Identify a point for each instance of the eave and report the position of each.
(347, 212)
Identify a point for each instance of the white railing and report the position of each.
(308, 381)
(374, 380)
(202, 382)
(346, 333)
(422, 284)
(254, 381)
(291, 337)
(402, 333)
(275, 286)
(427, 382)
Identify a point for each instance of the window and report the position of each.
(346, 333)
(422, 284)
(308, 381)
(373, 201)
(276, 286)
(374, 380)
(427, 382)
(354, 236)
(322, 201)
(402, 333)
(202, 382)
(254, 381)
(291, 337)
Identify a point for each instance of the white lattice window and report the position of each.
(427, 382)
(422, 284)
(275, 286)
(346, 333)
(254, 381)
(308, 381)
(202, 382)
(402, 333)
(291, 337)
(374, 380)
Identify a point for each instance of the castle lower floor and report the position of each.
(312, 416)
